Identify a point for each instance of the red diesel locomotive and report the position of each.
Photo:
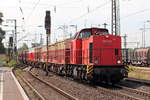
(92, 54)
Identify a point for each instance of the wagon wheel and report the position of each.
(44, 67)
(142, 64)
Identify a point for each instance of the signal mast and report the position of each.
(48, 32)
(115, 24)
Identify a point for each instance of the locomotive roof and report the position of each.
(93, 28)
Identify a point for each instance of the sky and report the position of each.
(30, 15)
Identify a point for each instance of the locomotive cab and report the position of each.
(100, 52)
(97, 46)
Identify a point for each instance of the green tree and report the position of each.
(2, 34)
(24, 47)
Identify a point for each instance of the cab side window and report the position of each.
(75, 36)
(102, 32)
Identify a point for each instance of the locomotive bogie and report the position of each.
(111, 74)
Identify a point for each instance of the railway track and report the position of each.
(125, 92)
(135, 92)
(118, 93)
(117, 90)
(61, 92)
(141, 81)
(36, 93)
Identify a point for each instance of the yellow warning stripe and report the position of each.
(89, 69)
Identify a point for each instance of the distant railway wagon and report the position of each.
(127, 56)
(139, 56)
(142, 57)
(92, 54)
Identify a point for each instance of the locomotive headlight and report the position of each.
(107, 36)
(118, 61)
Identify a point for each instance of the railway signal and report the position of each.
(15, 37)
(10, 52)
(47, 20)
(11, 41)
(47, 28)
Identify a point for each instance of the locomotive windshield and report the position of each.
(88, 32)
(102, 32)
(85, 34)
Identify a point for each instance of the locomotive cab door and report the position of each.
(76, 52)
(87, 47)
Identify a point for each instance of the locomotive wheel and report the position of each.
(52, 68)
(78, 73)
(71, 72)
(44, 67)
(66, 70)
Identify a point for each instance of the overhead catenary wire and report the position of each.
(102, 5)
(135, 13)
(90, 11)
(33, 10)
(21, 10)
(27, 17)
(77, 18)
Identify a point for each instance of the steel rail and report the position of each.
(141, 81)
(119, 94)
(70, 97)
(30, 86)
(139, 92)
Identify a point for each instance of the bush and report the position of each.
(4, 64)
(12, 63)
(3, 59)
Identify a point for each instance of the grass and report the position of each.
(33, 92)
(11, 63)
(139, 75)
(133, 72)
(4, 63)
(19, 71)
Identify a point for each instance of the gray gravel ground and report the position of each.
(77, 89)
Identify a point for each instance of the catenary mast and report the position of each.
(115, 24)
